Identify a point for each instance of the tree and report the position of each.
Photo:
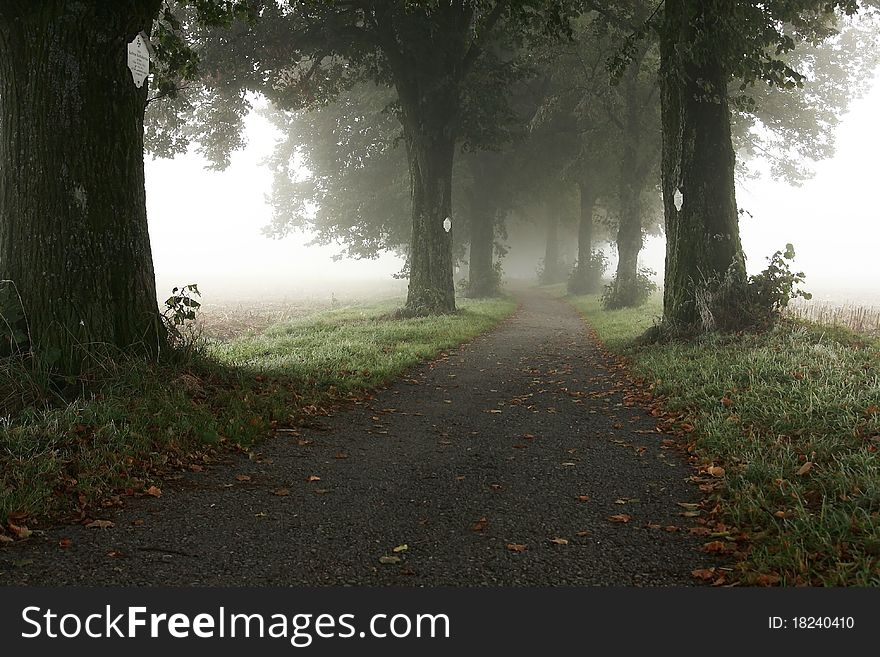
(74, 244)
(609, 111)
(705, 44)
(341, 171)
(304, 53)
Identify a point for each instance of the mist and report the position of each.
(205, 227)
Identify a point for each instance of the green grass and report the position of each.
(764, 406)
(126, 422)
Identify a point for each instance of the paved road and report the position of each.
(476, 462)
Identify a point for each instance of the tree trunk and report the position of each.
(73, 220)
(552, 266)
(587, 276)
(481, 276)
(585, 227)
(702, 238)
(629, 238)
(428, 117)
(629, 229)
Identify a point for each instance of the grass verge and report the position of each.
(129, 421)
(791, 418)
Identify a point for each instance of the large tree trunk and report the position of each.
(481, 275)
(702, 238)
(431, 285)
(73, 219)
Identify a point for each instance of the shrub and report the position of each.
(729, 304)
(586, 277)
(632, 294)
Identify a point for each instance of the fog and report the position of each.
(206, 226)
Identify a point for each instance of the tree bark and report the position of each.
(629, 241)
(73, 222)
(587, 277)
(585, 227)
(631, 185)
(552, 266)
(702, 238)
(481, 275)
(431, 285)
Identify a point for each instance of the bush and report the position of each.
(552, 275)
(631, 295)
(729, 304)
(587, 279)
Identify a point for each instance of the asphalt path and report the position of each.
(512, 460)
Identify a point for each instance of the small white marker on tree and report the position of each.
(139, 52)
(678, 199)
(447, 224)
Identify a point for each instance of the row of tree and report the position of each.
(392, 106)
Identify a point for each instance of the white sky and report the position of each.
(205, 225)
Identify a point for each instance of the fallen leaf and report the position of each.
(517, 547)
(321, 491)
(671, 528)
(6, 539)
(390, 560)
(714, 546)
(400, 548)
(768, 579)
(688, 505)
(115, 554)
(242, 477)
(583, 498)
(704, 573)
(559, 541)
(99, 524)
(568, 464)
(154, 491)
(65, 543)
(19, 530)
(584, 532)
(805, 468)
(281, 492)
(480, 525)
(620, 517)
(715, 471)
(779, 514)
(652, 525)
(495, 487)
(313, 478)
(302, 442)
(341, 455)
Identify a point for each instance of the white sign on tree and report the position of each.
(139, 60)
